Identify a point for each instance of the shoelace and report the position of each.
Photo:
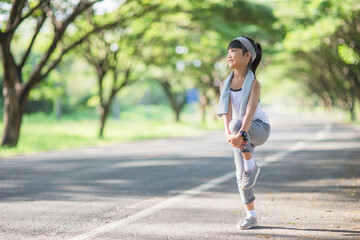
(245, 220)
(246, 176)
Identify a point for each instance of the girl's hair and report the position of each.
(237, 44)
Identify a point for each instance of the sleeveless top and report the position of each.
(235, 98)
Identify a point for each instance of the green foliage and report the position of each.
(348, 55)
(310, 37)
(49, 90)
(310, 51)
(44, 132)
(321, 51)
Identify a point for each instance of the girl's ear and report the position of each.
(248, 55)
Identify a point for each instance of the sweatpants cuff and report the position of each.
(250, 201)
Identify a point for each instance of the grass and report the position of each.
(40, 132)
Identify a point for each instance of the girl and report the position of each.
(246, 123)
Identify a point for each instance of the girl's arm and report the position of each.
(252, 105)
(227, 117)
(249, 115)
(227, 120)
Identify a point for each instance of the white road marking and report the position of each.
(151, 210)
(193, 192)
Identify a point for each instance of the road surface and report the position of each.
(185, 188)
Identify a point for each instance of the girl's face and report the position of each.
(236, 58)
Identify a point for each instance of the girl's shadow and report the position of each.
(347, 232)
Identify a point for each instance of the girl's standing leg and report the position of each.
(247, 195)
(246, 168)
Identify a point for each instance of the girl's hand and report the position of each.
(236, 141)
(228, 136)
(244, 142)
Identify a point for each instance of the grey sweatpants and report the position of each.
(258, 133)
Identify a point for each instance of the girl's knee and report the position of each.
(235, 125)
(247, 196)
(247, 201)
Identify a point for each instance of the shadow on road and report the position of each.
(106, 177)
(348, 232)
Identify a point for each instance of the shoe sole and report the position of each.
(254, 181)
(245, 228)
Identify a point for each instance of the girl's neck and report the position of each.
(240, 73)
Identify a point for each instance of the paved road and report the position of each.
(309, 188)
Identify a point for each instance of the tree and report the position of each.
(228, 20)
(60, 15)
(163, 69)
(201, 41)
(324, 45)
(165, 66)
(117, 51)
(117, 58)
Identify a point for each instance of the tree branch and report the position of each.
(73, 45)
(83, 5)
(51, 15)
(15, 20)
(15, 15)
(90, 59)
(126, 79)
(37, 30)
(32, 10)
(58, 36)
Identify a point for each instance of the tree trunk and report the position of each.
(14, 102)
(104, 110)
(177, 107)
(14, 107)
(177, 102)
(351, 109)
(177, 114)
(203, 104)
(13, 113)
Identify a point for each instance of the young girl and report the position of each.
(246, 123)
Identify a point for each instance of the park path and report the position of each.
(185, 188)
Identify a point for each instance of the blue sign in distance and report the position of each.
(192, 95)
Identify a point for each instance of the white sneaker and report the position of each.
(247, 223)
